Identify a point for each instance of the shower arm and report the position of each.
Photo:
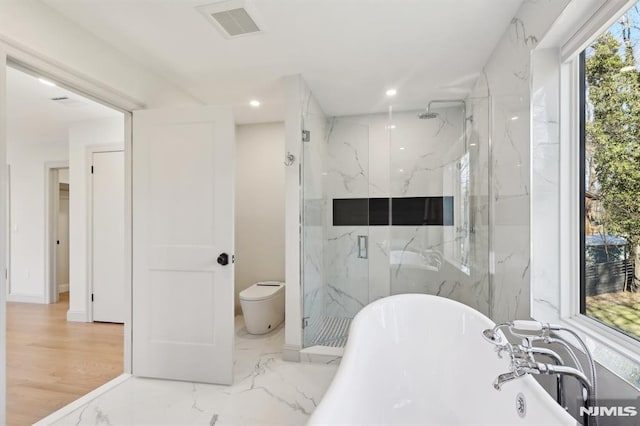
(464, 115)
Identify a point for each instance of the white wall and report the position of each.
(27, 161)
(33, 25)
(83, 136)
(63, 176)
(259, 205)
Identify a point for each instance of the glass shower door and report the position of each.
(439, 221)
(313, 196)
(335, 222)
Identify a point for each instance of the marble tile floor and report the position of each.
(266, 391)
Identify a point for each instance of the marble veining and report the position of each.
(399, 156)
(266, 391)
(506, 79)
(521, 35)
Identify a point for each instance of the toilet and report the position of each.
(263, 306)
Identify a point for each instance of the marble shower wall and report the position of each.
(506, 81)
(402, 156)
(428, 158)
(545, 188)
(423, 157)
(347, 176)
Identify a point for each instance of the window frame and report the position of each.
(582, 148)
(572, 189)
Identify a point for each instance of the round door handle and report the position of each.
(223, 259)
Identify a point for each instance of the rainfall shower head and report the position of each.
(426, 115)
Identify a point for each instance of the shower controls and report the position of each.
(289, 159)
(223, 259)
(363, 246)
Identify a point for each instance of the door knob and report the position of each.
(223, 259)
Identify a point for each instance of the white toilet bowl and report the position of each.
(263, 306)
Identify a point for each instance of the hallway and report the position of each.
(52, 362)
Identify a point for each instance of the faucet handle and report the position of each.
(507, 347)
(500, 349)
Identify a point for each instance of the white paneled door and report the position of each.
(107, 268)
(183, 175)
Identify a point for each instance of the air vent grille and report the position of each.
(233, 18)
(236, 22)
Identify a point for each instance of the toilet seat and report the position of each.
(261, 291)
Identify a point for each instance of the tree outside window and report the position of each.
(611, 259)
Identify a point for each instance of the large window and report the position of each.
(610, 184)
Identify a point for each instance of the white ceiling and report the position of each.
(32, 117)
(348, 51)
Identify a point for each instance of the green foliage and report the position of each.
(613, 134)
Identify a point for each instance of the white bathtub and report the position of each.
(415, 359)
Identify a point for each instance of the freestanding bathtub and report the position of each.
(415, 359)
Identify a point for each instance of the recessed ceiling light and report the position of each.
(47, 82)
(514, 118)
(391, 92)
(402, 148)
(401, 170)
(255, 103)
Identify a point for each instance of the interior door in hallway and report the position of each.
(62, 239)
(183, 223)
(108, 236)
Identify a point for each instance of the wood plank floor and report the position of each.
(52, 362)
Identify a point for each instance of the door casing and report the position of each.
(25, 59)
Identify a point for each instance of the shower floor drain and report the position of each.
(330, 331)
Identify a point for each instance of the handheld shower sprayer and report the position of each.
(530, 331)
(516, 327)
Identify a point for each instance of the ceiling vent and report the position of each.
(233, 18)
(67, 101)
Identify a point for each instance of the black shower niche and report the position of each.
(404, 211)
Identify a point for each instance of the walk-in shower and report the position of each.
(392, 204)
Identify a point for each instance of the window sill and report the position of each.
(613, 350)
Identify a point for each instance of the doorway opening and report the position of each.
(53, 136)
(58, 241)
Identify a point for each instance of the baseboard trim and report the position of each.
(25, 298)
(291, 353)
(63, 288)
(85, 399)
(321, 355)
(77, 316)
